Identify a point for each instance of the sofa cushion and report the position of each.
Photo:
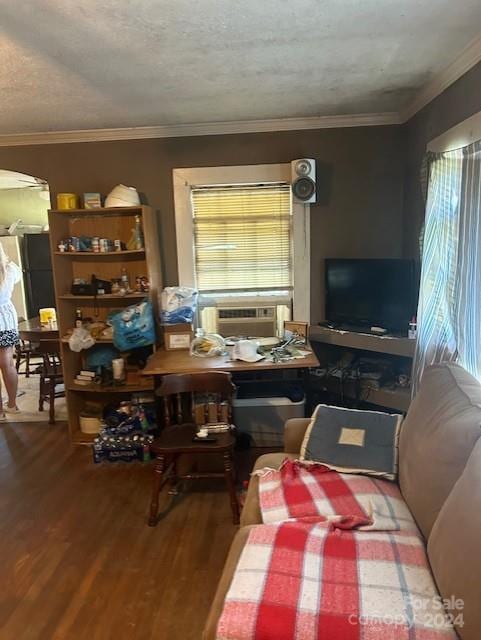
(454, 547)
(251, 511)
(294, 431)
(437, 437)
(353, 440)
(224, 583)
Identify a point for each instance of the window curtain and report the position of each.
(449, 311)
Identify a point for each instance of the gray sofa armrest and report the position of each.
(294, 431)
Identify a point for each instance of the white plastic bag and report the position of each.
(80, 339)
(178, 304)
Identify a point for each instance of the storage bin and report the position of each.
(262, 419)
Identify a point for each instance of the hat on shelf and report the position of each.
(122, 196)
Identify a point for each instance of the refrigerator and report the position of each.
(37, 271)
(12, 247)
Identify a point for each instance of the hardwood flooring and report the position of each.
(77, 560)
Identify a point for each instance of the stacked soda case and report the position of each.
(122, 448)
(126, 434)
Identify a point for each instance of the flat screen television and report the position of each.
(361, 293)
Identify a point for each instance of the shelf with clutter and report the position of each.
(359, 368)
(124, 253)
(106, 265)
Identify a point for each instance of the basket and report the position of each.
(90, 424)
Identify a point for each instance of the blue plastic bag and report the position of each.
(101, 356)
(182, 314)
(133, 327)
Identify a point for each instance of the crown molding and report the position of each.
(468, 57)
(201, 129)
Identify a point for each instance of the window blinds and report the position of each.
(242, 237)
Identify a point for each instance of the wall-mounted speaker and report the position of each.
(303, 180)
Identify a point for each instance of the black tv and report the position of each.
(361, 293)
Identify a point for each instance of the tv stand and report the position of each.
(366, 341)
(397, 398)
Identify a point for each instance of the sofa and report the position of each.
(439, 475)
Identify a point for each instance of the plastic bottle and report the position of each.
(138, 234)
(78, 318)
(124, 277)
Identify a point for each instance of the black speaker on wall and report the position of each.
(303, 180)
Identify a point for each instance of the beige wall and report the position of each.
(360, 178)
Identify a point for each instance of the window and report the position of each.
(449, 322)
(242, 238)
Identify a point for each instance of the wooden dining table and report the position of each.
(33, 331)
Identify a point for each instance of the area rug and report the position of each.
(27, 402)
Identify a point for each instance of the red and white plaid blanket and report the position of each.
(301, 580)
(299, 490)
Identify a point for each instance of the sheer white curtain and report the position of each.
(449, 312)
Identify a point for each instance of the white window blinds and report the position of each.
(242, 237)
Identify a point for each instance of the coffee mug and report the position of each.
(67, 201)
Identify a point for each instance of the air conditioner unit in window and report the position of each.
(246, 321)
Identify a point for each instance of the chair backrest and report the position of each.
(196, 397)
(50, 350)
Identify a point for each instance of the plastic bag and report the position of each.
(101, 356)
(80, 339)
(178, 304)
(133, 327)
(207, 345)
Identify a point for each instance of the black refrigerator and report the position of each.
(37, 270)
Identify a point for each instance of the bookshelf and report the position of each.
(113, 223)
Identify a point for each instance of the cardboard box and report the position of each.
(300, 329)
(178, 336)
(92, 200)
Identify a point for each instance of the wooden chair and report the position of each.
(50, 376)
(178, 396)
(25, 352)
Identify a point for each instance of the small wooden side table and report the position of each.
(178, 439)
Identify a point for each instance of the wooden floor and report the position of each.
(77, 560)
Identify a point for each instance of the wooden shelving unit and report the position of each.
(113, 223)
(65, 340)
(101, 254)
(397, 398)
(106, 297)
(126, 388)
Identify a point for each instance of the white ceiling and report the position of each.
(69, 65)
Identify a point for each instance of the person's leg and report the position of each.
(9, 375)
(2, 413)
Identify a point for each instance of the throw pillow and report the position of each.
(353, 441)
